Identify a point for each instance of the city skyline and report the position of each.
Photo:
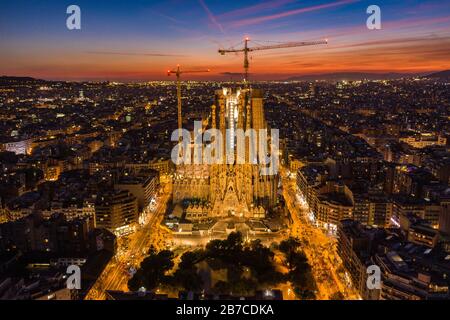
(205, 150)
(118, 41)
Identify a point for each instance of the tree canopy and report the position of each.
(249, 265)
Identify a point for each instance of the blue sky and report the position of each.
(129, 40)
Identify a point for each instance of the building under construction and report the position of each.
(202, 191)
(228, 189)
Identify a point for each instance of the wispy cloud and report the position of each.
(211, 16)
(151, 54)
(169, 18)
(351, 34)
(395, 42)
(232, 73)
(257, 20)
(254, 9)
(411, 55)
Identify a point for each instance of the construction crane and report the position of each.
(178, 72)
(246, 49)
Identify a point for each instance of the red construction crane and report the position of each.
(178, 74)
(246, 49)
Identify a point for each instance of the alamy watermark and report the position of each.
(237, 147)
(374, 277)
(73, 22)
(74, 279)
(374, 20)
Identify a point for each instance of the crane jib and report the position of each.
(247, 49)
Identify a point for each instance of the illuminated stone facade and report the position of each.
(228, 189)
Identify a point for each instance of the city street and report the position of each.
(318, 247)
(132, 249)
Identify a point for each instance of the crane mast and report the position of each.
(178, 72)
(246, 62)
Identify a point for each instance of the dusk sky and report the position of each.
(141, 39)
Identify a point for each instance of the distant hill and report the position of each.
(6, 80)
(440, 75)
(351, 76)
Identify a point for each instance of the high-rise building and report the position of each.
(116, 211)
(143, 186)
(444, 217)
(354, 248)
(34, 233)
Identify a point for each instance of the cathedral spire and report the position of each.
(213, 116)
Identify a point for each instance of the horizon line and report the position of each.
(224, 76)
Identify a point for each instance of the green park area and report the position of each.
(238, 267)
